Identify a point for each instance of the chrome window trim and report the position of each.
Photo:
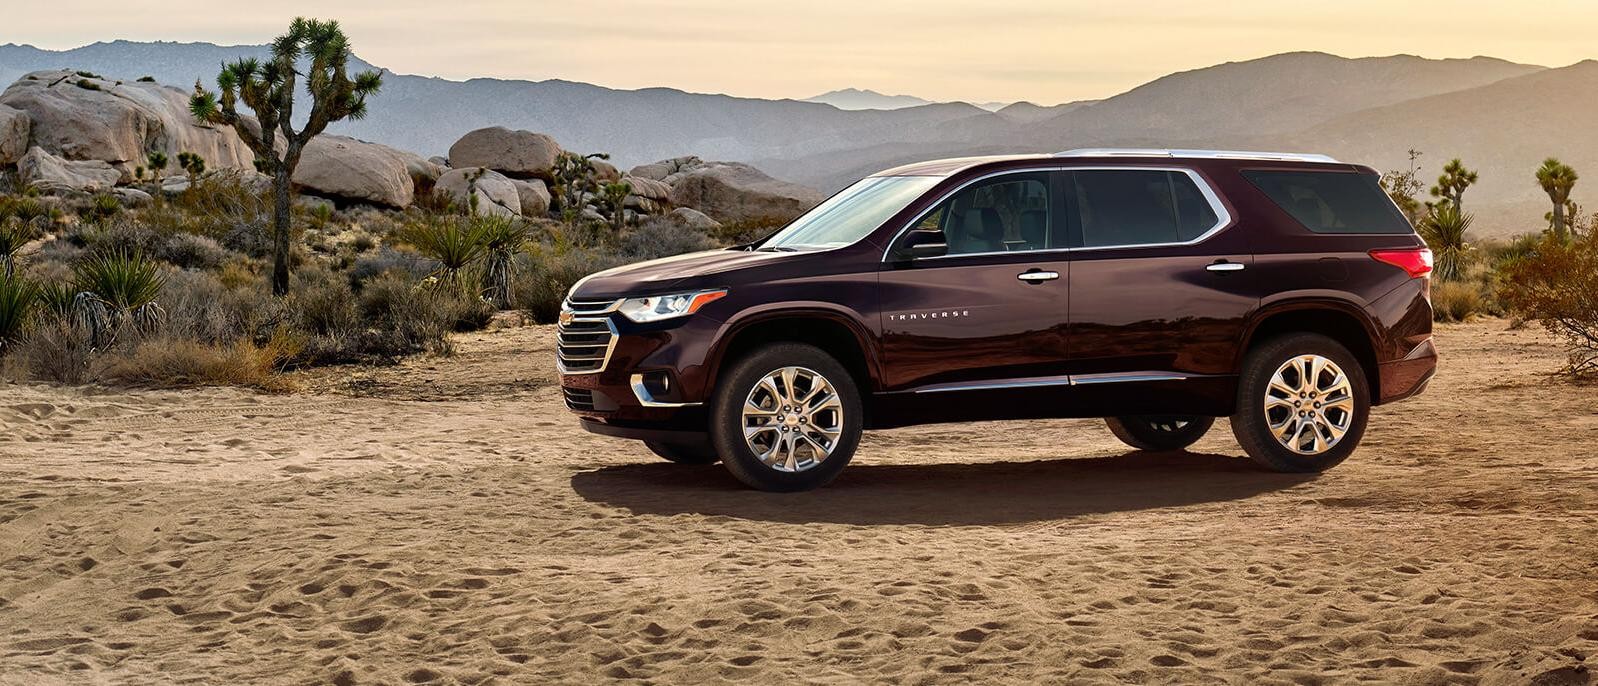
(645, 399)
(1223, 216)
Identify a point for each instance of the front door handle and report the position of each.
(1224, 266)
(1037, 276)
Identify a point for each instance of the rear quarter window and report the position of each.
(1332, 202)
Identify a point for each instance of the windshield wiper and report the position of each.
(776, 248)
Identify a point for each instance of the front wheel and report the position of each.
(786, 417)
(1302, 404)
(1171, 432)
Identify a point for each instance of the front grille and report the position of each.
(579, 399)
(585, 337)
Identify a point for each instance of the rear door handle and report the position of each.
(1037, 276)
(1226, 267)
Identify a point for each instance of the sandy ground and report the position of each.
(446, 521)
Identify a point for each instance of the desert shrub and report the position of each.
(179, 362)
(662, 237)
(202, 306)
(56, 348)
(1556, 284)
(27, 209)
(146, 79)
(88, 85)
(389, 258)
(221, 206)
(1457, 301)
(323, 304)
(192, 251)
(1444, 230)
(18, 297)
(549, 273)
(503, 239)
(101, 207)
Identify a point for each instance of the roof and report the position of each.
(955, 165)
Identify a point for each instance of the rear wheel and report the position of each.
(786, 417)
(1161, 432)
(684, 453)
(1303, 401)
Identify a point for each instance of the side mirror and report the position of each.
(921, 244)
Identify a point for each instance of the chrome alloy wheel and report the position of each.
(793, 419)
(1309, 404)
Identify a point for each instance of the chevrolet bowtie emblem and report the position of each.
(565, 317)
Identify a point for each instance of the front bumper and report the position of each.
(652, 383)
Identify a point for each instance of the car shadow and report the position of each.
(944, 494)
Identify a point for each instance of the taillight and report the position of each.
(1416, 262)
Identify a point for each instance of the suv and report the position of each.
(1158, 289)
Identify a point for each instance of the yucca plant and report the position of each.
(612, 198)
(454, 242)
(1444, 230)
(116, 289)
(58, 299)
(14, 233)
(18, 297)
(1557, 179)
(504, 237)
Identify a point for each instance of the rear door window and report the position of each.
(1332, 202)
(1132, 207)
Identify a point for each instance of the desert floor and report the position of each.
(446, 521)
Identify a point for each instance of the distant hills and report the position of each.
(1501, 117)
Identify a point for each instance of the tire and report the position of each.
(1330, 407)
(1164, 432)
(683, 453)
(795, 468)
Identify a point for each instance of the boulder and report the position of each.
(693, 219)
(131, 197)
(649, 189)
(732, 190)
(521, 154)
(354, 170)
(534, 196)
(441, 162)
(605, 171)
(496, 194)
(424, 173)
(14, 126)
(53, 174)
(79, 118)
(658, 171)
(172, 185)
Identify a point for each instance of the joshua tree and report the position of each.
(1444, 230)
(192, 163)
(574, 178)
(157, 162)
(1451, 185)
(1403, 186)
(613, 199)
(1557, 178)
(268, 88)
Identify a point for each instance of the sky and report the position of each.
(1044, 51)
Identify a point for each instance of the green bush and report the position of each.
(549, 274)
(662, 237)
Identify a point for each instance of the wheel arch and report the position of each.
(837, 332)
(1341, 321)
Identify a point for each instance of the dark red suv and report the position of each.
(1159, 289)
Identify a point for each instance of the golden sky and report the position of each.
(975, 50)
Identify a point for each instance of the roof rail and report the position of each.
(1204, 154)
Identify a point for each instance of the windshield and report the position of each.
(851, 214)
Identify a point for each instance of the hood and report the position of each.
(693, 270)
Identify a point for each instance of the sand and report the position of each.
(446, 521)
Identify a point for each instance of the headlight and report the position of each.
(655, 308)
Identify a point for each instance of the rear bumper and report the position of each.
(1408, 377)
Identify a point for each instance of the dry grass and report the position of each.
(169, 362)
(1457, 301)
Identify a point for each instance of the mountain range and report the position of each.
(1503, 118)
